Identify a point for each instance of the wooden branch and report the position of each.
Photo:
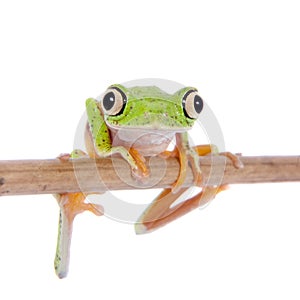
(24, 177)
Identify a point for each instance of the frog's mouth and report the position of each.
(151, 122)
(151, 128)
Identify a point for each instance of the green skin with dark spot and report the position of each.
(151, 108)
(148, 108)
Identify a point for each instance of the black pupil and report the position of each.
(109, 100)
(198, 104)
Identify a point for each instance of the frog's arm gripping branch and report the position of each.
(25, 177)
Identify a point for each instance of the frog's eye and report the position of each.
(192, 104)
(113, 101)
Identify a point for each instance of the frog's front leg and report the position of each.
(71, 204)
(101, 139)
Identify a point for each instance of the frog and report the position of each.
(135, 123)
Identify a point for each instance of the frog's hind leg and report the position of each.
(71, 204)
(155, 211)
(160, 212)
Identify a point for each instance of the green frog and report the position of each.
(137, 122)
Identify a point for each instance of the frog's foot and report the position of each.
(235, 158)
(64, 156)
(161, 212)
(213, 149)
(71, 204)
(166, 154)
(135, 160)
(75, 154)
(140, 170)
(187, 156)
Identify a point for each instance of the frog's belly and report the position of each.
(148, 143)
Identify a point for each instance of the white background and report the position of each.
(244, 58)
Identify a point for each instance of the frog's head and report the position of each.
(148, 107)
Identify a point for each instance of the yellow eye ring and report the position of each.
(113, 102)
(192, 104)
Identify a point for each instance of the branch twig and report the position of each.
(24, 177)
